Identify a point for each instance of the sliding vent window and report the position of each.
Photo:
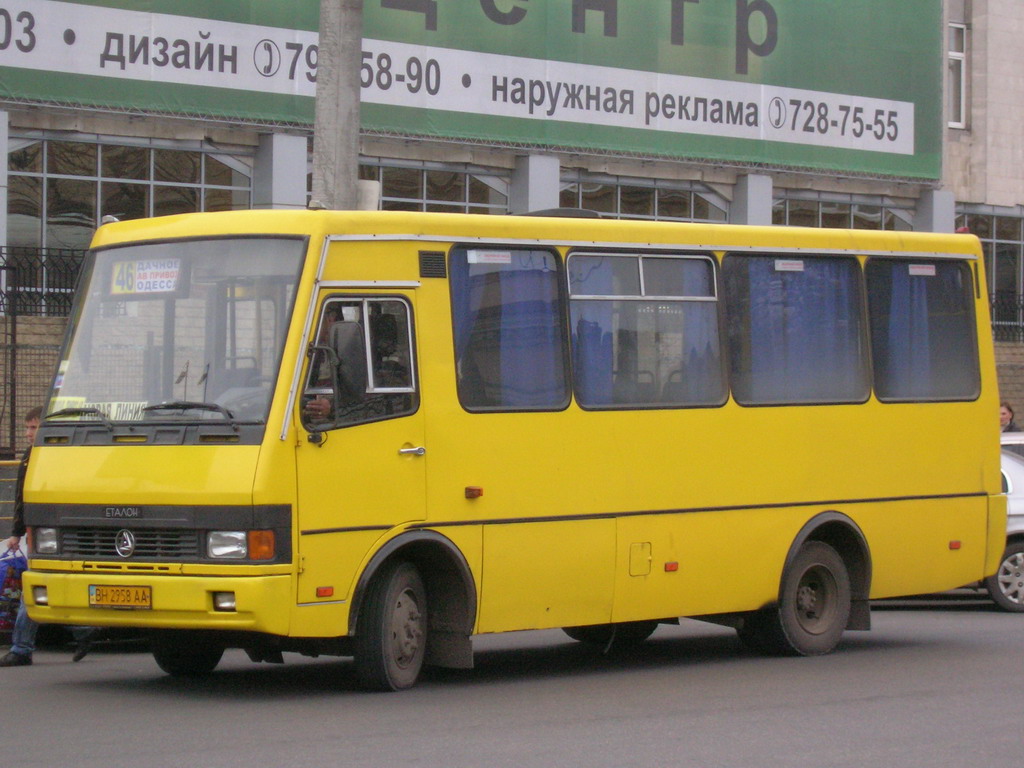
(361, 364)
(510, 346)
(796, 330)
(922, 330)
(644, 331)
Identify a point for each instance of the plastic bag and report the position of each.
(12, 564)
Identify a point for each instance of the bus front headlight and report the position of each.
(227, 545)
(45, 541)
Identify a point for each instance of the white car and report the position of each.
(1006, 586)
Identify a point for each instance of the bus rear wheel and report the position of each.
(391, 638)
(813, 609)
(185, 656)
(1006, 586)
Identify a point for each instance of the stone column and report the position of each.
(936, 211)
(279, 172)
(752, 200)
(535, 184)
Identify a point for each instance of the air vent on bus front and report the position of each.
(432, 264)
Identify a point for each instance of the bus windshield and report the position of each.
(183, 330)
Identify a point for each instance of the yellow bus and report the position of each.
(378, 434)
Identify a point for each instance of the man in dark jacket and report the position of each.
(23, 638)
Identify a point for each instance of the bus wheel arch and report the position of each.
(823, 591)
(450, 593)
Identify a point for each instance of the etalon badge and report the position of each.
(124, 543)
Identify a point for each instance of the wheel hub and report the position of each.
(1011, 578)
(406, 629)
(815, 600)
(807, 600)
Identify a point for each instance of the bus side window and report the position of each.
(361, 364)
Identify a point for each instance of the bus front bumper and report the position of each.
(238, 603)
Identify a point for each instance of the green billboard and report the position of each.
(840, 85)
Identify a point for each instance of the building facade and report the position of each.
(906, 118)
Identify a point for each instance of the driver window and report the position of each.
(361, 364)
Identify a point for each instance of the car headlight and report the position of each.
(45, 541)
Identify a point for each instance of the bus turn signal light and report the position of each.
(261, 545)
(954, 545)
(474, 491)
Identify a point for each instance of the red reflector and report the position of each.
(324, 591)
(954, 545)
(474, 491)
(671, 567)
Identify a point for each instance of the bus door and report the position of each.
(361, 457)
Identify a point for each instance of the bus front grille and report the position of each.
(150, 543)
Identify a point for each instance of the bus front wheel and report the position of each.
(391, 638)
(813, 608)
(185, 656)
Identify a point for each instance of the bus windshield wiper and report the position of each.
(100, 415)
(191, 405)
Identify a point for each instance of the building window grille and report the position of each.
(618, 198)
(440, 189)
(796, 212)
(60, 190)
(1002, 243)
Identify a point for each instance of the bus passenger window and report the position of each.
(510, 347)
(645, 331)
(361, 364)
(796, 329)
(923, 341)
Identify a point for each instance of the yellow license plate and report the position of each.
(120, 597)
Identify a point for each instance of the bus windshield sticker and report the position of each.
(145, 277)
(922, 270)
(489, 257)
(789, 265)
(115, 411)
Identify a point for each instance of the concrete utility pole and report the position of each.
(336, 124)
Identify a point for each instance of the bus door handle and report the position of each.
(418, 451)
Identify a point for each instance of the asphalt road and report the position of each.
(931, 685)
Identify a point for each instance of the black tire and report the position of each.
(186, 656)
(813, 609)
(1006, 585)
(391, 638)
(622, 635)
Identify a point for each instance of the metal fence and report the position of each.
(39, 281)
(34, 283)
(1007, 317)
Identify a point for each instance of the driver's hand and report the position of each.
(318, 408)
